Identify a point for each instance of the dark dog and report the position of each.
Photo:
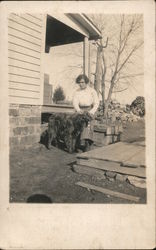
(67, 128)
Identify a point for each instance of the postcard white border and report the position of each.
(80, 226)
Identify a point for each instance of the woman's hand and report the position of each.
(80, 111)
(92, 115)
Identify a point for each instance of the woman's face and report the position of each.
(82, 84)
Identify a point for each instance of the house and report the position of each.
(29, 37)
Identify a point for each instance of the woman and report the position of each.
(86, 99)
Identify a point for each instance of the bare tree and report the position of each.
(97, 80)
(118, 64)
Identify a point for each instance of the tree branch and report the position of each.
(129, 56)
(129, 76)
(121, 90)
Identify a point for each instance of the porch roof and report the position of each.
(88, 24)
(69, 28)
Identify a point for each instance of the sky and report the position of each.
(64, 63)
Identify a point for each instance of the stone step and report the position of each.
(103, 174)
(112, 167)
(89, 171)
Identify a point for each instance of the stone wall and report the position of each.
(25, 125)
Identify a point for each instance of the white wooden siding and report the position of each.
(24, 36)
(25, 22)
(15, 70)
(19, 55)
(23, 93)
(25, 45)
(23, 86)
(18, 48)
(24, 64)
(22, 79)
(23, 29)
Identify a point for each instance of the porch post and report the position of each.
(89, 66)
(86, 56)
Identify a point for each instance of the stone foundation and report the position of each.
(25, 125)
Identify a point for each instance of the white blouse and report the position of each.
(86, 97)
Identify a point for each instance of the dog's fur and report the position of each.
(67, 128)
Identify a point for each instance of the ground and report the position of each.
(40, 171)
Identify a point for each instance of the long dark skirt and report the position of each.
(88, 132)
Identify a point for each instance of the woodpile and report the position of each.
(124, 113)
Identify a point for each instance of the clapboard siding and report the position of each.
(25, 37)
(23, 93)
(24, 58)
(17, 55)
(23, 100)
(24, 86)
(18, 51)
(24, 72)
(24, 64)
(22, 79)
(23, 29)
(23, 43)
(37, 18)
(27, 50)
(25, 22)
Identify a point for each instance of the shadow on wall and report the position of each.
(48, 91)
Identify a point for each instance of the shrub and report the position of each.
(138, 106)
(128, 108)
(58, 95)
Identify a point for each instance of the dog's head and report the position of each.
(81, 120)
(86, 117)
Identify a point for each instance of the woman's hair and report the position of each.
(82, 76)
